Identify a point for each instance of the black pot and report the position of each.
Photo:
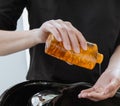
(22, 94)
(19, 95)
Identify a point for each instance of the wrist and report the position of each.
(38, 35)
(34, 34)
(113, 68)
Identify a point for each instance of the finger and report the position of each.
(48, 27)
(79, 35)
(88, 90)
(84, 93)
(73, 38)
(96, 96)
(82, 40)
(94, 90)
(64, 35)
(69, 63)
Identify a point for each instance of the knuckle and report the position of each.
(59, 20)
(63, 29)
(47, 22)
(68, 23)
(70, 31)
(51, 27)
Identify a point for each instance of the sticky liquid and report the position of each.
(86, 58)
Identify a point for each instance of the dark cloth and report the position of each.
(69, 97)
(98, 21)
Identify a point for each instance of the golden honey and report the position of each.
(86, 58)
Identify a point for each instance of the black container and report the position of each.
(22, 94)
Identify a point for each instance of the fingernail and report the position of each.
(67, 47)
(77, 50)
(59, 39)
(79, 96)
(84, 47)
(82, 95)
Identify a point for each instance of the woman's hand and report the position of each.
(105, 87)
(63, 31)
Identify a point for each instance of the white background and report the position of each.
(13, 68)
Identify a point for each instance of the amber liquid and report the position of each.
(86, 58)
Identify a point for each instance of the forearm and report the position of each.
(115, 59)
(14, 41)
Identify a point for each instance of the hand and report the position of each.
(65, 32)
(105, 87)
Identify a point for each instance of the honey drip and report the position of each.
(86, 58)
